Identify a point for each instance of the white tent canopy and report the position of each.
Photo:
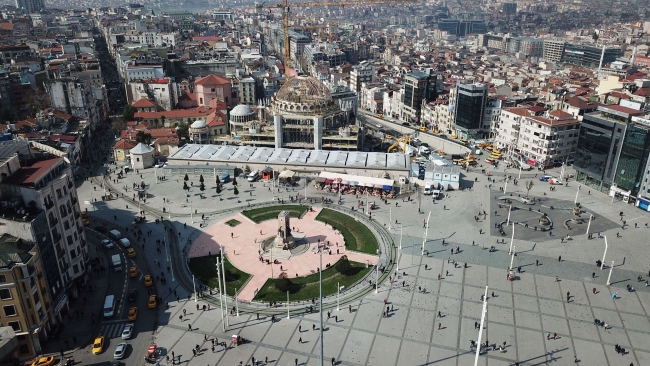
(362, 181)
(287, 174)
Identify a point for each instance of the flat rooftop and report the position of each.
(293, 157)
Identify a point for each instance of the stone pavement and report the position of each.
(521, 313)
(244, 242)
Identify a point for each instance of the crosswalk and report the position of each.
(112, 330)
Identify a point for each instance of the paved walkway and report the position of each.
(243, 245)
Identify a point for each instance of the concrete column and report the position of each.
(318, 133)
(277, 122)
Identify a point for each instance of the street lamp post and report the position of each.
(589, 225)
(509, 210)
(236, 303)
(576, 200)
(426, 233)
(505, 187)
(320, 303)
(223, 277)
(512, 259)
(338, 292)
(399, 250)
(288, 317)
(602, 265)
(194, 284)
(519, 178)
(377, 278)
(390, 217)
(223, 324)
(512, 239)
(609, 277)
(480, 330)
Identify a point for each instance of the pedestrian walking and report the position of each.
(189, 327)
(475, 325)
(537, 262)
(554, 335)
(548, 335)
(300, 340)
(296, 362)
(439, 325)
(559, 259)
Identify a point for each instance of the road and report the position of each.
(119, 284)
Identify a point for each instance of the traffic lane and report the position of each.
(119, 285)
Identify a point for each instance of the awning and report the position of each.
(353, 183)
(287, 174)
(320, 179)
(369, 185)
(379, 186)
(329, 181)
(388, 188)
(344, 182)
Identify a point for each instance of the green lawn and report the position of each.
(205, 270)
(306, 288)
(358, 236)
(267, 213)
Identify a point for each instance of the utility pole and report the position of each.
(480, 331)
(320, 303)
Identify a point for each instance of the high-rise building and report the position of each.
(602, 137)
(589, 55)
(418, 87)
(78, 98)
(30, 6)
(509, 8)
(553, 49)
(469, 108)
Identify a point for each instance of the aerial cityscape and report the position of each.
(333, 182)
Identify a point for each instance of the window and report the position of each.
(75, 268)
(10, 310)
(5, 294)
(3, 278)
(23, 349)
(73, 254)
(15, 325)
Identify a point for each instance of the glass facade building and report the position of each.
(633, 158)
(471, 100)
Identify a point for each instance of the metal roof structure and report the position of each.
(294, 157)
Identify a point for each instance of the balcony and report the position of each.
(64, 267)
(76, 215)
(74, 200)
(80, 229)
(56, 237)
(49, 205)
(83, 243)
(54, 222)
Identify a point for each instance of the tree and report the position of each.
(595, 36)
(218, 181)
(186, 177)
(143, 137)
(202, 187)
(343, 265)
(235, 191)
(129, 112)
(283, 283)
(529, 186)
(155, 122)
(201, 180)
(185, 186)
(37, 101)
(162, 120)
(234, 181)
(218, 188)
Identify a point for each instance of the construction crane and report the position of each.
(404, 140)
(285, 6)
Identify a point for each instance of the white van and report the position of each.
(436, 193)
(109, 306)
(428, 188)
(125, 242)
(252, 177)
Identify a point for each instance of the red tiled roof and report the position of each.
(560, 114)
(175, 113)
(167, 141)
(212, 80)
(124, 145)
(187, 96)
(143, 103)
(207, 38)
(28, 175)
(620, 108)
(642, 92)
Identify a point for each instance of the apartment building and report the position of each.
(246, 91)
(25, 301)
(469, 109)
(78, 98)
(538, 138)
(553, 49)
(363, 73)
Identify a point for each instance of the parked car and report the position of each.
(98, 345)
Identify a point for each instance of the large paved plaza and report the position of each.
(522, 313)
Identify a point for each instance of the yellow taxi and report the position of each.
(152, 302)
(133, 313)
(389, 137)
(44, 361)
(130, 252)
(423, 129)
(85, 222)
(98, 345)
(133, 272)
(148, 281)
